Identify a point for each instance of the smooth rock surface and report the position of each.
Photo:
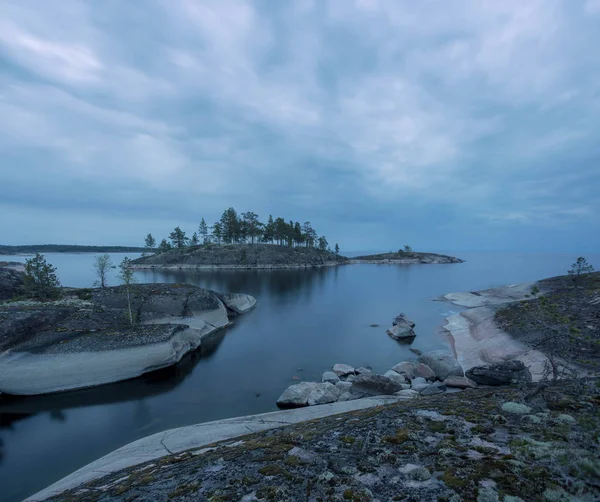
(374, 385)
(424, 371)
(343, 369)
(407, 393)
(396, 377)
(323, 393)
(343, 386)
(405, 368)
(331, 377)
(418, 380)
(239, 303)
(433, 389)
(442, 363)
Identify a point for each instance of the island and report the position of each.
(90, 337)
(403, 257)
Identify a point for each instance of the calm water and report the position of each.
(305, 322)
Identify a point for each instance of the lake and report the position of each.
(304, 323)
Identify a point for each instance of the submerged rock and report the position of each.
(374, 385)
(505, 373)
(442, 363)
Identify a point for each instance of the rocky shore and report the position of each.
(480, 445)
(87, 338)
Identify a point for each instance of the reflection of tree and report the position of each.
(276, 283)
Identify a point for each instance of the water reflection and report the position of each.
(279, 284)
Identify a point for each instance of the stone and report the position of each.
(346, 396)
(516, 408)
(308, 394)
(351, 378)
(296, 395)
(424, 371)
(12, 280)
(433, 389)
(405, 368)
(511, 498)
(331, 377)
(566, 419)
(343, 369)
(374, 385)
(343, 386)
(460, 382)
(396, 377)
(405, 386)
(407, 394)
(401, 332)
(362, 369)
(323, 393)
(505, 373)
(401, 319)
(442, 363)
(418, 380)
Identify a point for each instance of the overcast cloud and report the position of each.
(447, 125)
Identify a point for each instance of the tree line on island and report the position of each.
(244, 228)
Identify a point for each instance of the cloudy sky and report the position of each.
(448, 125)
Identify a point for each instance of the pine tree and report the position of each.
(40, 278)
(194, 241)
(203, 231)
(178, 238)
(127, 278)
(217, 232)
(337, 249)
(150, 242)
(269, 231)
(164, 246)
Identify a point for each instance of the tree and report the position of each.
(203, 231)
(164, 246)
(40, 278)
(579, 269)
(101, 266)
(178, 238)
(337, 249)
(269, 230)
(194, 241)
(323, 243)
(127, 278)
(407, 249)
(230, 225)
(150, 242)
(252, 226)
(217, 232)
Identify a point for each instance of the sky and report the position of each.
(445, 125)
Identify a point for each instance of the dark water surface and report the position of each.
(305, 321)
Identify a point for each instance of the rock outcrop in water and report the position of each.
(76, 343)
(406, 258)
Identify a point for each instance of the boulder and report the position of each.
(343, 386)
(424, 371)
(504, 373)
(418, 380)
(442, 363)
(401, 320)
(396, 377)
(405, 368)
(434, 389)
(323, 393)
(331, 377)
(374, 385)
(362, 369)
(460, 382)
(401, 332)
(343, 370)
(239, 303)
(420, 387)
(308, 394)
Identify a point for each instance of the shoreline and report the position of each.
(475, 338)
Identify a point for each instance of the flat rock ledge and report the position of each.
(77, 344)
(406, 380)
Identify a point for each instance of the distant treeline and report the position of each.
(68, 248)
(234, 228)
